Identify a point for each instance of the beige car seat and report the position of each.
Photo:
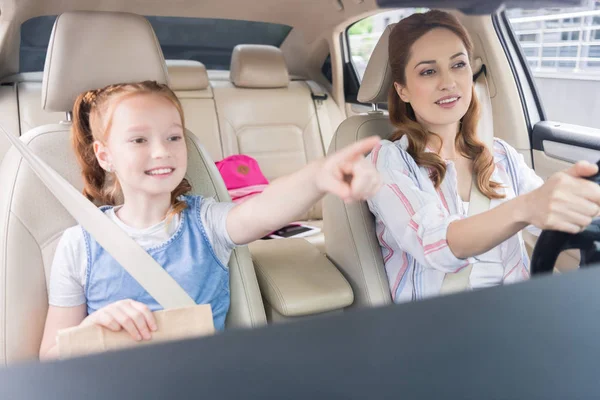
(351, 242)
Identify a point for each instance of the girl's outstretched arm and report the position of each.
(345, 174)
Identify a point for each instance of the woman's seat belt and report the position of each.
(478, 202)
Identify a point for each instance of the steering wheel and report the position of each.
(551, 243)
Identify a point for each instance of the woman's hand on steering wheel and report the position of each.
(566, 202)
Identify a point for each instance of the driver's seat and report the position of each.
(351, 241)
(82, 55)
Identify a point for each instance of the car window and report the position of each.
(364, 35)
(562, 48)
(210, 41)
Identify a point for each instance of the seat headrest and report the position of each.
(258, 66)
(187, 75)
(377, 79)
(90, 50)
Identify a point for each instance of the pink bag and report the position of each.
(243, 177)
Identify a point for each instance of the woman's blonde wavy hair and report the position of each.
(91, 123)
(404, 34)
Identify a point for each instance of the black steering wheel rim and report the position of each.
(551, 243)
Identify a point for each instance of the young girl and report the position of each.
(130, 143)
(433, 159)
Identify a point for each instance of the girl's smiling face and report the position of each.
(145, 145)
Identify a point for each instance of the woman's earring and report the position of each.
(108, 169)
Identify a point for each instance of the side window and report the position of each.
(35, 35)
(562, 48)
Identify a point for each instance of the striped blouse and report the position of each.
(412, 219)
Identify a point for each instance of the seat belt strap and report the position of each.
(478, 203)
(142, 267)
(320, 96)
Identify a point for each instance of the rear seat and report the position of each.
(257, 111)
(266, 116)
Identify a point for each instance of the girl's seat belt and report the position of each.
(142, 267)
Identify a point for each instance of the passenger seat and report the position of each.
(33, 220)
(351, 242)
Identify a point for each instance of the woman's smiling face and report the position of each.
(438, 78)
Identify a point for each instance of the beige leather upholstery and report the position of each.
(296, 279)
(377, 79)
(187, 75)
(27, 88)
(32, 221)
(275, 126)
(30, 113)
(351, 241)
(20, 108)
(9, 116)
(189, 81)
(218, 75)
(101, 59)
(258, 66)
